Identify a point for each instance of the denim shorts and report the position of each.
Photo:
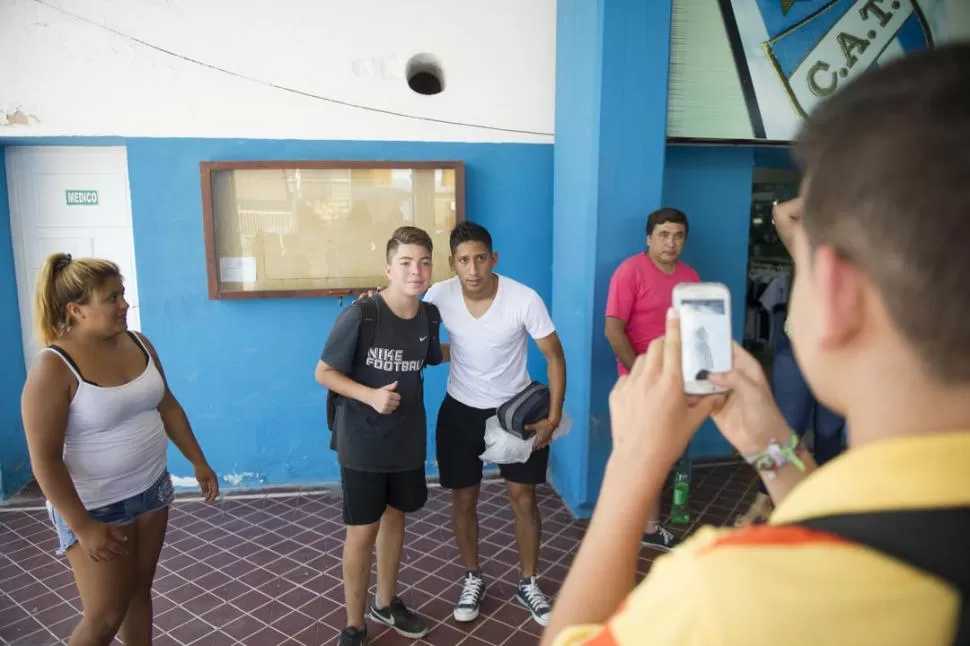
(158, 496)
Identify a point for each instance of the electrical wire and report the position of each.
(283, 88)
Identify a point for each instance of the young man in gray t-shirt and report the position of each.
(379, 428)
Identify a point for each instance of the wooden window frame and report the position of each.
(206, 170)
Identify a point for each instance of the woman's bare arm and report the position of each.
(179, 430)
(44, 405)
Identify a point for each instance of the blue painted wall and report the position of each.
(244, 370)
(579, 35)
(774, 158)
(712, 185)
(636, 65)
(612, 60)
(14, 463)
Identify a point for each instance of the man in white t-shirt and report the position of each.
(489, 319)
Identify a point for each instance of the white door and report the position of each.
(74, 200)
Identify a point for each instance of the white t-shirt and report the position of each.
(488, 354)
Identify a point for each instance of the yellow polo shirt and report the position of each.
(787, 585)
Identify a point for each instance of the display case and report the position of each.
(319, 228)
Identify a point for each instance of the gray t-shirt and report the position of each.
(364, 439)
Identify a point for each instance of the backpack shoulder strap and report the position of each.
(370, 312)
(932, 540)
(370, 316)
(434, 330)
(432, 312)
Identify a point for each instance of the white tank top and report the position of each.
(115, 446)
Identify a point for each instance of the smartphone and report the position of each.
(705, 334)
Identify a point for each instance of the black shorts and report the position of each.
(367, 494)
(460, 439)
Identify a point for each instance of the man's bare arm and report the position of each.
(619, 341)
(551, 349)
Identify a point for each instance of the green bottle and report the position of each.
(678, 513)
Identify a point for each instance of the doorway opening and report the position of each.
(770, 267)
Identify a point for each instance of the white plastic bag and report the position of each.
(501, 447)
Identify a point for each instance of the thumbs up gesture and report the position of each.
(385, 400)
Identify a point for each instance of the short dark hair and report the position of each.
(470, 232)
(408, 235)
(887, 168)
(665, 215)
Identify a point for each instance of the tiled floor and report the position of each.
(266, 570)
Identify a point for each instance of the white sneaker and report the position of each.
(470, 600)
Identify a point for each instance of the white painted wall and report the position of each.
(76, 67)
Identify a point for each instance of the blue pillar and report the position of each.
(612, 59)
(14, 460)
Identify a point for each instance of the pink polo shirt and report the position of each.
(640, 294)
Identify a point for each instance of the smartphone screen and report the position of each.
(705, 328)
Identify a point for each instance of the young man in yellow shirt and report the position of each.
(881, 327)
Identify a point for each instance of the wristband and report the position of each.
(777, 456)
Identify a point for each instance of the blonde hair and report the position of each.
(63, 280)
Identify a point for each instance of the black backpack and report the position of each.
(370, 318)
(936, 541)
(527, 407)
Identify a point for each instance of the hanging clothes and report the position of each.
(767, 303)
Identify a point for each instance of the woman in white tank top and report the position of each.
(98, 416)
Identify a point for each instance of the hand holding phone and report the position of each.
(749, 418)
(652, 418)
(705, 333)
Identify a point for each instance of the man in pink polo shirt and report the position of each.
(641, 292)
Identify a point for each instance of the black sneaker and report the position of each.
(662, 539)
(351, 636)
(402, 620)
(530, 596)
(470, 600)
